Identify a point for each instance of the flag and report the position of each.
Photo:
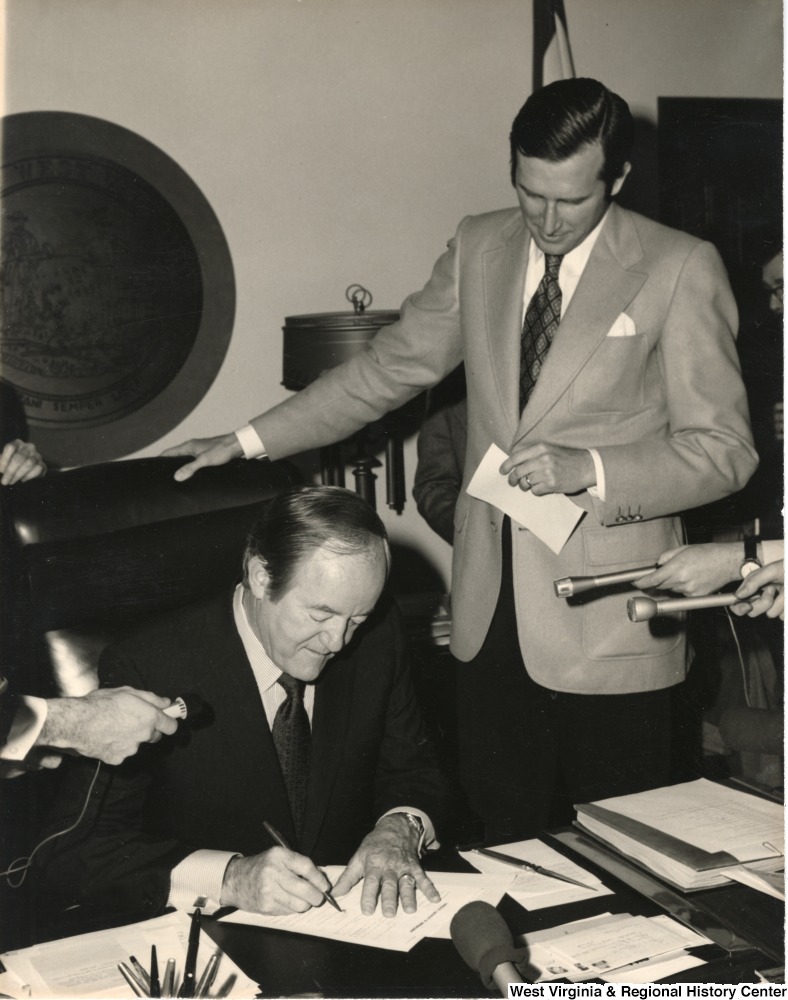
(552, 54)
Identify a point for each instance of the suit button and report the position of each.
(638, 517)
(620, 518)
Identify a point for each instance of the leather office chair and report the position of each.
(102, 547)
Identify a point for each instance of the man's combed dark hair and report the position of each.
(299, 521)
(560, 119)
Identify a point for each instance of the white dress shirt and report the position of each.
(197, 879)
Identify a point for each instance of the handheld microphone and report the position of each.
(185, 706)
(484, 941)
(640, 609)
(569, 586)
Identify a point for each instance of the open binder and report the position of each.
(694, 835)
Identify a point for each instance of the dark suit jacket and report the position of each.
(213, 784)
(441, 455)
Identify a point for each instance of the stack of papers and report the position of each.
(694, 835)
(86, 965)
(614, 947)
(399, 933)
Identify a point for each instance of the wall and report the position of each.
(341, 141)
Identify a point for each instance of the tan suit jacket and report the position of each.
(665, 407)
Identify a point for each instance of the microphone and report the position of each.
(640, 609)
(569, 586)
(484, 941)
(185, 706)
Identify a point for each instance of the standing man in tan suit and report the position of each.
(599, 352)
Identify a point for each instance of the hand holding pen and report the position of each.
(278, 881)
(283, 843)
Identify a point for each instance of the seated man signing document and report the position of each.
(309, 724)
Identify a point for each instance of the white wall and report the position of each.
(341, 141)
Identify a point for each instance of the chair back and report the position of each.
(103, 547)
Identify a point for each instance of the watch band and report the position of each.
(417, 825)
(751, 561)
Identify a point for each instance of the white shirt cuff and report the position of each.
(428, 841)
(25, 729)
(250, 442)
(197, 881)
(597, 491)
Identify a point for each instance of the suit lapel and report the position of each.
(504, 279)
(330, 722)
(250, 747)
(606, 288)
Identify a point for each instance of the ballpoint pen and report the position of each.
(168, 983)
(207, 977)
(132, 980)
(189, 969)
(283, 843)
(155, 985)
(141, 974)
(507, 859)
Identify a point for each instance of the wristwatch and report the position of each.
(751, 560)
(417, 824)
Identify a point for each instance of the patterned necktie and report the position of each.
(292, 739)
(541, 321)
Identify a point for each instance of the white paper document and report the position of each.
(771, 883)
(399, 933)
(596, 947)
(86, 965)
(532, 890)
(551, 518)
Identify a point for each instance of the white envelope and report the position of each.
(622, 327)
(552, 518)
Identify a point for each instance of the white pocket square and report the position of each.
(623, 327)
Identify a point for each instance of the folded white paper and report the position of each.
(552, 518)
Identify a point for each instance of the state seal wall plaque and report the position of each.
(117, 293)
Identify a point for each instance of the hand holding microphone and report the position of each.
(693, 570)
(109, 724)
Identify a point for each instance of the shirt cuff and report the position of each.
(28, 722)
(428, 841)
(597, 491)
(197, 881)
(772, 549)
(250, 442)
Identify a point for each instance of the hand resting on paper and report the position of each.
(549, 468)
(388, 861)
(278, 881)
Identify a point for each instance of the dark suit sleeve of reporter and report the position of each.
(438, 477)
(109, 862)
(408, 773)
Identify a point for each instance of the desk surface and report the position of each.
(286, 964)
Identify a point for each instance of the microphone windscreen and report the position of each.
(192, 706)
(483, 939)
